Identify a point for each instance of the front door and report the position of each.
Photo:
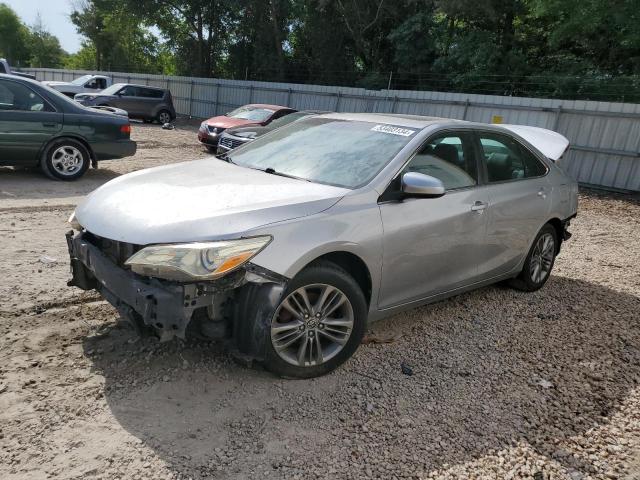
(431, 246)
(519, 201)
(27, 122)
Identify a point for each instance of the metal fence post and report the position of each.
(557, 120)
(394, 104)
(191, 99)
(338, 95)
(215, 111)
(289, 98)
(466, 107)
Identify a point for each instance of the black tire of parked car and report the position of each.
(524, 280)
(46, 164)
(330, 274)
(163, 115)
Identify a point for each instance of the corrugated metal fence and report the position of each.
(605, 137)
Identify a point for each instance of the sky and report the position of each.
(55, 18)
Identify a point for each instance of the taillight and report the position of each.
(126, 129)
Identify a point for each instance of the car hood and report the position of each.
(258, 129)
(228, 122)
(197, 201)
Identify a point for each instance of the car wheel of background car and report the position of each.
(163, 117)
(65, 159)
(539, 262)
(318, 325)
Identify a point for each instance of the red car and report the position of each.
(253, 114)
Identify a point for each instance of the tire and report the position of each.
(539, 262)
(65, 159)
(323, 279)
(164, 116)
(212, 150)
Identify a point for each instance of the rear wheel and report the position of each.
(539, 262)
(65, 159)
(163, 117)
(318, 325)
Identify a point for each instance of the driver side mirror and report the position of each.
(419, 185)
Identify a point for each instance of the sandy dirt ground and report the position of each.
(505, 385)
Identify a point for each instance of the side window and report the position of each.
(93, 84)
(150, 93)
(15, 96)
(129, 91)
(101, 83)
(507, 160)
(448, 158)
(2, 69)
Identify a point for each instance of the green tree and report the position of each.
(45, 48)
(14, 37)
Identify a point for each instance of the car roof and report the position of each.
(268, 106)
(18, 77)
(141, 86)
(414, 121)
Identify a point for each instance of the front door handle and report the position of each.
(542, 193)
(49, 124)
(479, 207)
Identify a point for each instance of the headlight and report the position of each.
(74, 222)
(196, 261)
(203, 126)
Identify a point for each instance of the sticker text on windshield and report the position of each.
(404, 132)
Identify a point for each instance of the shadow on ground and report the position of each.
(491, 368)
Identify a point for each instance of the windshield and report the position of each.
(113, 89)
(256, 114)
(325, 150)
(81, 80)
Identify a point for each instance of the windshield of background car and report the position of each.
(113, 89)
(335, 152)
(292, 117)
(254, 114)
(81, 80)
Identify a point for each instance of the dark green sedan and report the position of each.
(41, 127)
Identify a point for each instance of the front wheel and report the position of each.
(318, 325)
(66, 159)
(539, 262)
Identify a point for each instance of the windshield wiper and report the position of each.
(280, 174)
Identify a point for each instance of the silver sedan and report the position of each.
(288, 246)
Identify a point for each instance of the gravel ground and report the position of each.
(504, 385)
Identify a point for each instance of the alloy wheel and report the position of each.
(312, 325)
(164, 117)
(542, 258)
(67, 160)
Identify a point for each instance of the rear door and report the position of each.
(27, 122)
(519, 200)
(431, 245)
(149, 100)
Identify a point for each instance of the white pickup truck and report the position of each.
(5, 68)
(84, 84)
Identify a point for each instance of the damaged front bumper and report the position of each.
(167, 307)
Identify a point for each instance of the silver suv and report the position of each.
(139, 101)
(289, 245)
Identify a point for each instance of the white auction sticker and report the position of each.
(404, 132)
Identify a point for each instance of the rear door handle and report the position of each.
(479, 206)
